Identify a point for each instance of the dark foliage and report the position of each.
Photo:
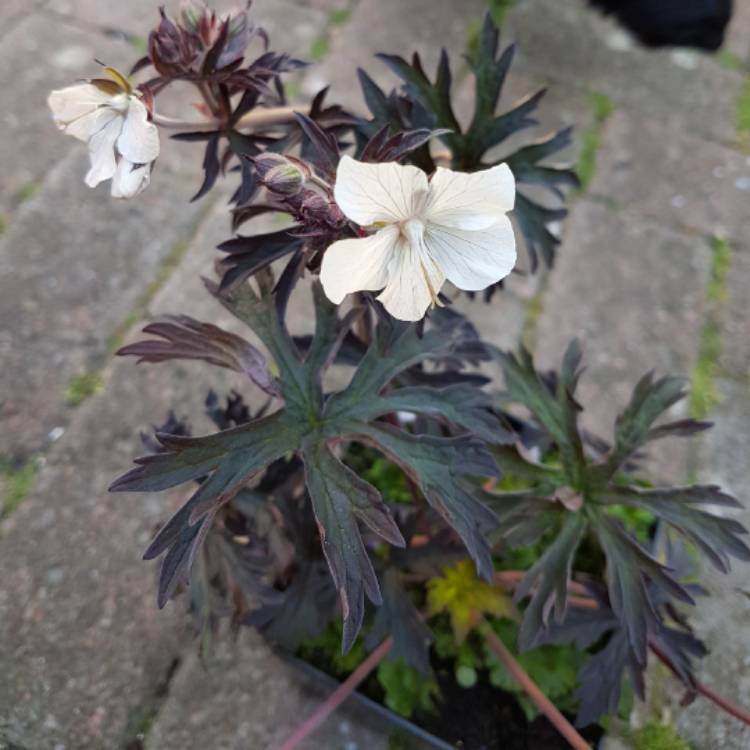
(311, 424)
(283, 529)
(574, 498)
(423, 104)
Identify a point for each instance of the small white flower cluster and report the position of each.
(452, 227)
(110, 116)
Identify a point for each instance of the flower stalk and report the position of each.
(338, 696)
(540, 700)
(256, 119)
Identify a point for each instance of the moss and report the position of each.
(18, 481)
(27, 191)
(658, 737)
(729, 60)
(743, 116)
(499, 10)
(339, 17)
(320, 48)
(139, 43)
(293, 89)
(602, 108)
(141, 718)
(115, 339)
(534, 309)
(82, 386)
(721, 263)
(703, 394)
(3, 224)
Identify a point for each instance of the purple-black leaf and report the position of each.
(187, 338)
(547, 581)
(400, 619)
(716, 536)
(340, 498)
(248, 255)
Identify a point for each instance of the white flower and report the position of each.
(112, 119)
(453, 227)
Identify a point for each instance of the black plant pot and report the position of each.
(397, 732)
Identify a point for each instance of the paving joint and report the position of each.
(703, 394)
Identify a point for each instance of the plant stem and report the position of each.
(511, 578)
(726, 705)
(540, 700)
(338, 696)
(255, 119)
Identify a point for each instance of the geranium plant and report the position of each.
(392, 214)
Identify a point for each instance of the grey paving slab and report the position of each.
(291, 27)
(73, 265)
(394, 27)
(288, 23)
(85, 651)
(38, 54)
(246, 697)
(675, 178)
(561, 106)
(328, 5)
(135, 17)
(737, 39)
(735, 355)
(11, 11)
(568, 42)
(633, 292)
(722, 619)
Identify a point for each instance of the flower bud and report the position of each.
(192, 13)
(279, 174)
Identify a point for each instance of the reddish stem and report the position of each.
(540, 700)
(338, 696)
(511, 578)
(726, 705)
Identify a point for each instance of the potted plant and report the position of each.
(516, 564)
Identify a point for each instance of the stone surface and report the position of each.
(216, 705)
(675, 178)
(722, 620)
(291, 27)
(131, 20)
(633, 293)
(84, 647)
(74, 265)
(85, 651)
(576, 47)
(737, 39)
(393, 27)
(38, 54)
(735, 355)
(85, 654)
(11, 11)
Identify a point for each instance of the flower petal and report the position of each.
(130, 179)
(407, 294)
(73, 103)
(470, 201)
(139, 142)
(472, 260)
(357, 264)
(370, 193)
(102, 152)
